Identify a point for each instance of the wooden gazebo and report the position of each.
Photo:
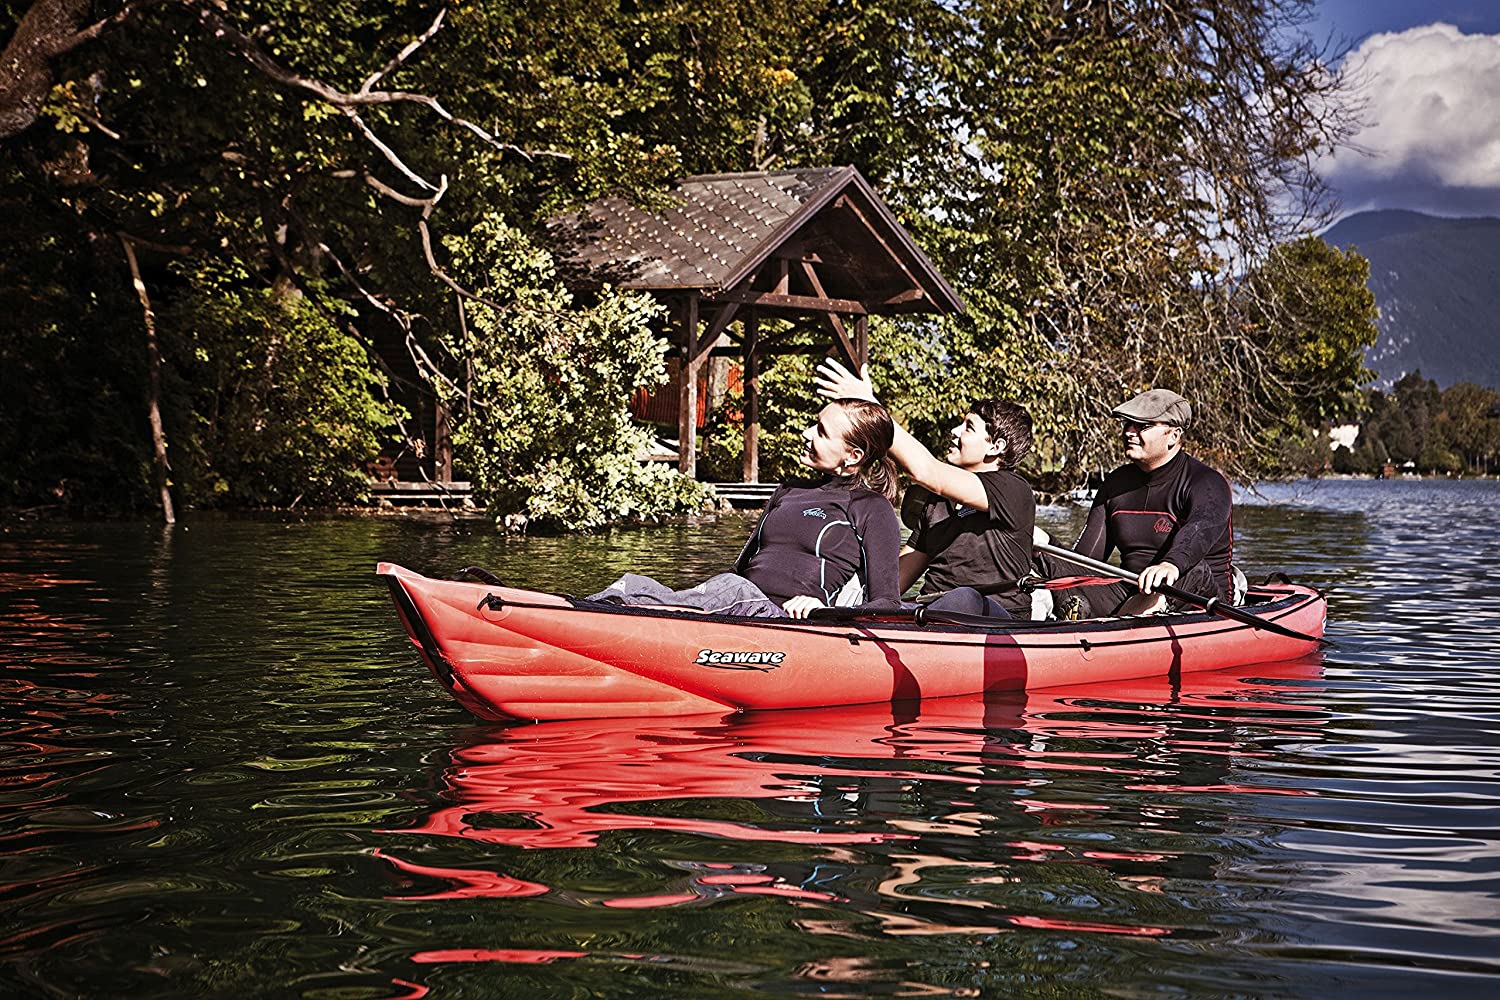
(817, 247)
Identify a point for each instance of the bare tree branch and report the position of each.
(405, 53)
(386, 151)
(251, 51)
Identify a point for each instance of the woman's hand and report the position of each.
(837, 382)
(799, 606)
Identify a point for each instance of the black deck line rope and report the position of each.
(785, 626)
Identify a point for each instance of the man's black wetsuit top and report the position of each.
(1177, 513)
(971, 548)
(813, 538)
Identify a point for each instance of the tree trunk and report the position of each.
(153, 404)
(45, 30)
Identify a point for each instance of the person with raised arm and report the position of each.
(976, 532)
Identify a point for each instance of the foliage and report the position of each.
(1107, 184)
(542, 425)
(1417, 427)
(1306, 319)
(72, 370)
(273, 404)
(787, 398)
(1097, 179)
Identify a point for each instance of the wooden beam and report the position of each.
(687, 398)
(845, 202)
(905, 298)
(800, 303)
(770, 350)
(842, 335)
(862, 339)
(715, 334)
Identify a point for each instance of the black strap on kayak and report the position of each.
(481, 574)
(1212, 605)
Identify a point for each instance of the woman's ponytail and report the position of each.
(872, 431)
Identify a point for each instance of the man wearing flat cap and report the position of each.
(1166, 512)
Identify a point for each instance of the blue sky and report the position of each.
(1428, 76)
(1352, 20)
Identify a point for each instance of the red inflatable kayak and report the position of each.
(506, 653)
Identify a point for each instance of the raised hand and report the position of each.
(837, 382)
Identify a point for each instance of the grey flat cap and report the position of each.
(1156, 406)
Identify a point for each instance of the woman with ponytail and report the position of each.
(828, 541)
(974, 530)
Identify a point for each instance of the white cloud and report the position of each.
(1432, 113)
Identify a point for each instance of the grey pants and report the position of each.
(725, 594)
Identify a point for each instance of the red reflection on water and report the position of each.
(16, 580)
(562, 783)
(470, 882)
(1083, 927)
(51, 702)
(789, 777)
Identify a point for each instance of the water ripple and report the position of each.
(224, 772)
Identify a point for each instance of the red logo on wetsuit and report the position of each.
(1164, 525)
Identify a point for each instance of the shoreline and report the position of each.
(468, 513)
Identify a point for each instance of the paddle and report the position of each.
(1210, 604)
(1003, 587)
(921, 615)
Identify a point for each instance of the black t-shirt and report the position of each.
(813, 538)
(1177, 513)
(970, 548)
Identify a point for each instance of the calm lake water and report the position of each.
(224, 772)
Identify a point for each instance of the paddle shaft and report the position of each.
(1210, 604)
(1003, 587)
(921, 615)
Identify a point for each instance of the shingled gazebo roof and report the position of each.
(714, 232)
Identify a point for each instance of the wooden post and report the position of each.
(752, 398)
(153, 401)
(687, 400)
(442, 446)
(862, 339)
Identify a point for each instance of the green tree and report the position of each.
(1097, 178)
(543, 426)
(1469, 425)
(1307, 318)
(273, 403)
(299, 173)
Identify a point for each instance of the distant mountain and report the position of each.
(1437, 282)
